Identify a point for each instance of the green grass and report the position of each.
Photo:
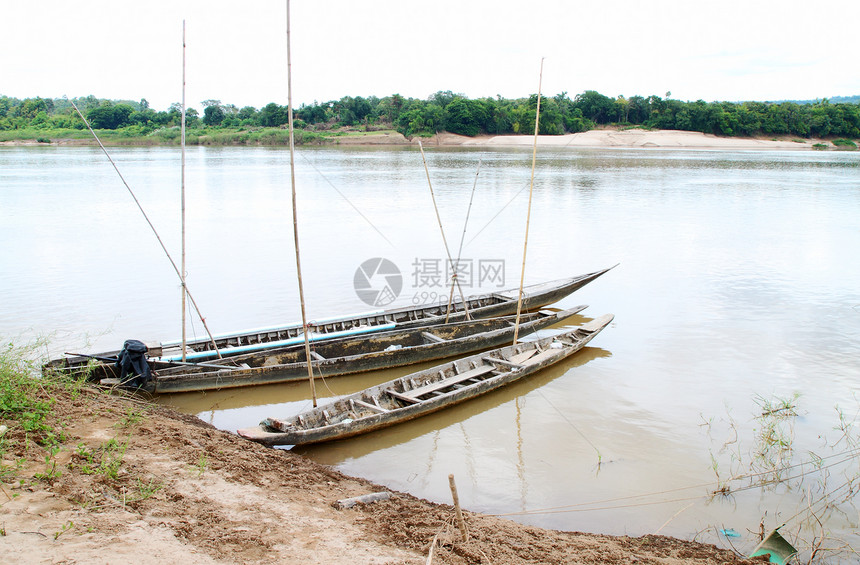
(137, 136)
(22, 398)
(105, 459)
(844, 143)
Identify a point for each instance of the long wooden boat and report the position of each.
(347, 356)
(338, 357)
(481, 306)
(423, 392)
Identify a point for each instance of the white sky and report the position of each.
(236, 51)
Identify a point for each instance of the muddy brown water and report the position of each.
(738, 288)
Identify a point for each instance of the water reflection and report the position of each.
(335, 452)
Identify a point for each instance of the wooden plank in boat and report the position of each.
(542, 356)
(433, 337)
(520, 357)
(504, 362)
(412, 395)
(402, 396)
(373, 407)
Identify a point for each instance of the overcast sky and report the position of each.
(236, 51)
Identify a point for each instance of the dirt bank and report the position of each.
(134, 483)
(598, 138)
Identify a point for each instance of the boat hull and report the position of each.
(358, 355)
(484, 306)
(383, 405)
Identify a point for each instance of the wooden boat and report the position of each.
(351, 355)
(488, 305)
(343, 356)
(423, 392)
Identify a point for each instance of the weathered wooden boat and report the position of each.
(346, 356)
(423, 392)
(482, 306)
(338, 357)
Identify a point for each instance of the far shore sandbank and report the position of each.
(598, 138)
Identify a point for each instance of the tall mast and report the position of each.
(182, 143)
(529, 212)
(295, 217)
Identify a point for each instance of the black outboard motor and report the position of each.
(133, 369)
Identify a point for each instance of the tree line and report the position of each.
(455, 113)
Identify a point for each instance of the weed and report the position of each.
(103, 460)
(133, 416)
(148, 489)
(52, 471)
(824, 485)
(201, 465)
(65, 527)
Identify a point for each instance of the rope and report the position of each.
(348, 201)
(456, 266)
(441, 229)
(578, 507)
(572, 425)
(151, 227)
(502, 209)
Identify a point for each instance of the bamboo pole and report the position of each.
(529, 212)
(441, 229)
(462, 239)
(460, 522)
(151, 227)
(295, 216)
(183, 273)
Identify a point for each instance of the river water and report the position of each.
(737, 291)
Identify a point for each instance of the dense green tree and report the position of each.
(442, 99)
(596, 107)
(445, 110)
(273, 115)
(314, 114)
(350, 111)
(213, 115)
(465, 117)
(498, 116)
(30, 107)
(109, 116)
(248, 114)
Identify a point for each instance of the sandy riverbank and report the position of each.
(136, 483)
(599, 138)
(606, 138)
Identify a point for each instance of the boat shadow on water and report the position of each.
(337, 451)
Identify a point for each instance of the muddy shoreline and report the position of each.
(183, 491)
